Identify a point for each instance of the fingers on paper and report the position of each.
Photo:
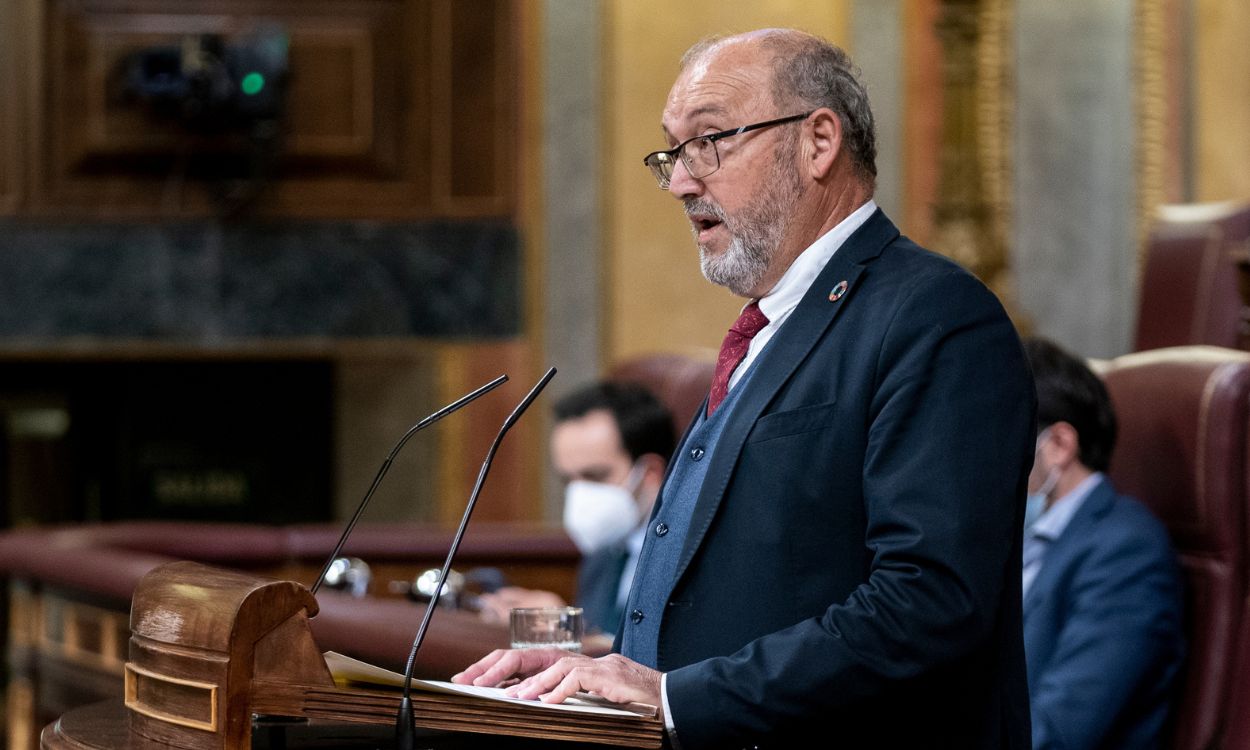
(500, 666)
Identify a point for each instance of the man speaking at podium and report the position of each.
(836, 547)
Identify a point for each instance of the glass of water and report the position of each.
(541, 627)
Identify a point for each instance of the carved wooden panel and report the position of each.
(395, 109)
(10, 108)
(471, 52)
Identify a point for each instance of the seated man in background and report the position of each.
(1102, 589)
(610, 446)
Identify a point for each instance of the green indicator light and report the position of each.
(253, 83)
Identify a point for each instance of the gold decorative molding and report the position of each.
(170, 699)
(24, 616)
(972, 215)
(82, 634)
(20, 710)
(1151, 106)
(995, 107)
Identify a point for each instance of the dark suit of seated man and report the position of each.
(1102, 589)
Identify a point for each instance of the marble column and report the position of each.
(1074, 240)
(877, 47)
(572, 154)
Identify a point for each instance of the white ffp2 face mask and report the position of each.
(597, 515)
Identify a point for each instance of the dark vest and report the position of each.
(657, 564)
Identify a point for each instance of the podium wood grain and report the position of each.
(210, 648)
(458, 713)
(200, 635)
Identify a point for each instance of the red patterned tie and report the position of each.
(733, 349)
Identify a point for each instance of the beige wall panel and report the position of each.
(656, 299)
(922, 118)
(1222, 100)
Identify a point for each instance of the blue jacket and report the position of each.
(852, 568)
(1102, 629)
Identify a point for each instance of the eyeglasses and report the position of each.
(699, 153)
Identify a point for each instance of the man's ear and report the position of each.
(822, 142)
(1064, 446)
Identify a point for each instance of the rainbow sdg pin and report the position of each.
(837, 292)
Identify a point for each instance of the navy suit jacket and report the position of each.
(852, 567)
(1102, 629)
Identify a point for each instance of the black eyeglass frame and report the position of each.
(650, 161)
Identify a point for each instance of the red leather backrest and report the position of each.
(1189, 282)
(680, 382)
(1183, 415)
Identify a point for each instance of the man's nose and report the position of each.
(681, 185)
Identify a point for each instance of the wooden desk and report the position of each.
(210, 648)
(103, 726)
(70, 590)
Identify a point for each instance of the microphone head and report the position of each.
(424, 585)
(529, 398)
(349, 574)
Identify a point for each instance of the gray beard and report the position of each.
(755, 234)
(743, 264)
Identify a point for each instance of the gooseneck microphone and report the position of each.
(386, 465)
(405, 722)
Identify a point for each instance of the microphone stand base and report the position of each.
(405, 726)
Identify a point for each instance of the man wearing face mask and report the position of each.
(1102, 589)
(610, 445)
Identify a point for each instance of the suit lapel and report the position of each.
(815, 313)
(1055, 560)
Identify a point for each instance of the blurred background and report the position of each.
(245, 244)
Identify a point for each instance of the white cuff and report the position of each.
(669, 728)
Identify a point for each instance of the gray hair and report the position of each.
(809, 73)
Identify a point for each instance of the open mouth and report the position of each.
(704, 223)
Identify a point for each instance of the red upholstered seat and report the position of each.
(1184, 414)
(1238, 734)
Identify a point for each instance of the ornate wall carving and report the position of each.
(973, 208)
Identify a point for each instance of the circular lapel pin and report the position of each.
(836, 293)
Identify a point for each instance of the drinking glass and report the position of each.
(540, 627)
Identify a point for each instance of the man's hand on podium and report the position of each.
(551, 675)
(502, 665)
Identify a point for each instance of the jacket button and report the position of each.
(661, 529)
(696, 453)
(636, 616)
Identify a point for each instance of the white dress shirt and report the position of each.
(794, 283)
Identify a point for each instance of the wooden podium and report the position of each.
(210, 648)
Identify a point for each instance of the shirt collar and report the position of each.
(1050, 525)
(793, 284)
